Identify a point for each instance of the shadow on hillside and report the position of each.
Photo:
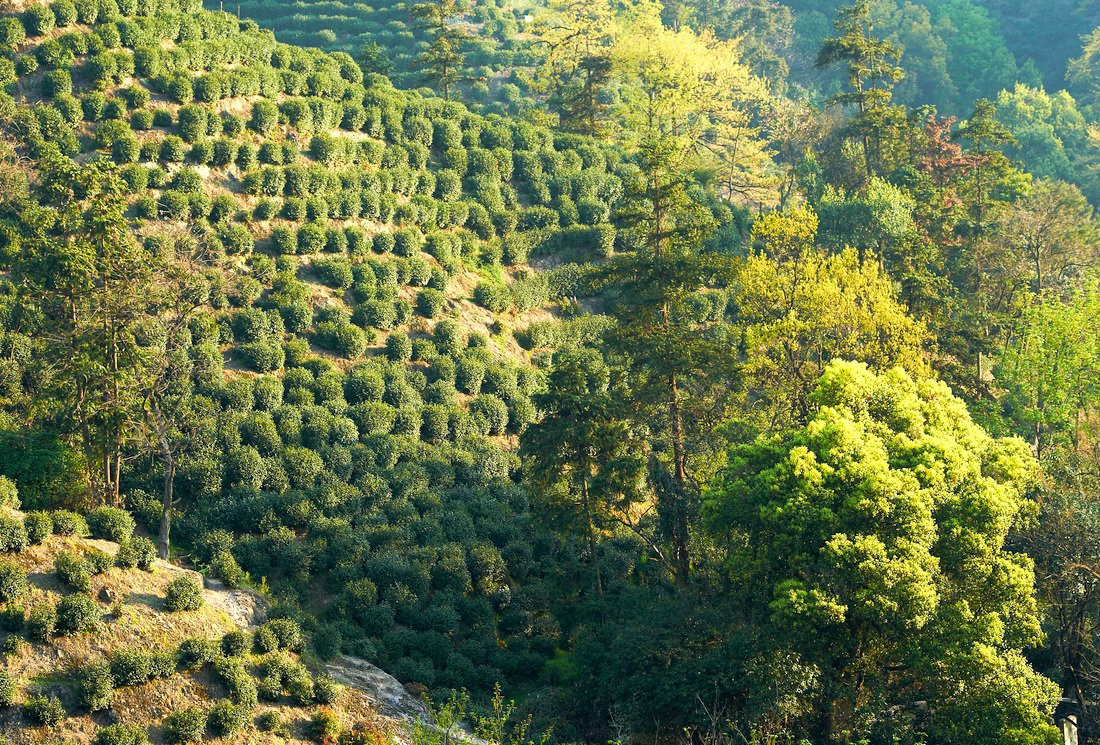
(147, 599)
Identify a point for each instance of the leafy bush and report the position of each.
(137, 552)
(183, 594)
(76, 614)
(13, 582)
(121, 734)
(41, 623)
(9, 494)
(72, 571)
(38, 20)
(287, 633)
(325, 689)
(325, 725)
(226, 718)
(7, 689)
(492, 296)
(38, 525)
(429, 302)
(195, 652)
(68, 523)
(13, 618)
(399, 347)
(13, 536)
(184, 726)
(96, 688)
(131, 667)
(111, 524)
(46, 711)
(236, 643)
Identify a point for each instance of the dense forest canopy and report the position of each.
(721, 372)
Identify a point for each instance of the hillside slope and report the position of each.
(152, 657)
(339, 372)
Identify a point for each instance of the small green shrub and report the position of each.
(325, 690)
(196, 652)
(184, 726)
(226, 718)
(183, 594)
(111, 523)
(68, 523)
(41, 623)
(13, 582)
(325, 725)
(76, 614)
(269, 721)
(13, 536)
(121, 734)
(98, 562)
(46, 711)
(138, 552)
(399, 347)
(96, 688)
(492, 296)
(39, 526)
(12, 619)
(72, 571)
(131, 667)
(7, 689)
(9, 494)
(236, 643)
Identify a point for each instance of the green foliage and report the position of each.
(852, 565)
(9, 494)
(72, 571)
(184, 726)
(68, 523)
(43, 710)
(13, 582)
(225, 718)
(39, 526)
(13, 536)
(76, 614)
(41, 622)
(492, 296)
(183, 594)
(7, 689)
(138, 552)
(111, 523)
(121, 734)
(96, 687)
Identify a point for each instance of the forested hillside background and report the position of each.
(722, 372)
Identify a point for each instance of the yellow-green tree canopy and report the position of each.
(797, 315)
(874, 539)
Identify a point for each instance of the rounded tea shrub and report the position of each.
(111, 524)
(226, 718)
(38, 525)
(121, 734)
(185, 725)
(13, 536)
(7, 689)
(138, 552)
(76, 614)
(41, 623)
(13, 582)
(46, 711)
(68, 523)
(183, 594)
(9, 494)
(96, 688)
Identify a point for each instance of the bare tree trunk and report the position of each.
(167, 505)
(591, 535)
